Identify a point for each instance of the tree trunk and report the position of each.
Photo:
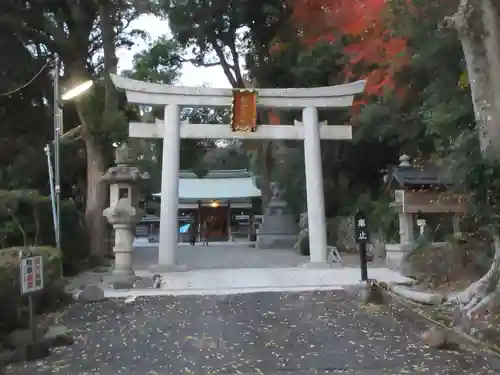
(96, 192)
(96, 201)
(478, 24)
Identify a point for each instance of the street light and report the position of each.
(77, 91)
(58, 132)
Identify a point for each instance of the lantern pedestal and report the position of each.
(123, 217)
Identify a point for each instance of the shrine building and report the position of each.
(224, 199)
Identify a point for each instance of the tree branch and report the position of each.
(226, 66)
(460, 20)
(202, 64)
(236, 63)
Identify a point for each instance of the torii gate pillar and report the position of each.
(314, 187)
(169, 228)
(172, 130)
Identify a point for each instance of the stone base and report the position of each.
(120, 280)
(276, 241)
(320, 265)
(122, 273)
(395, 258)
(167, 268)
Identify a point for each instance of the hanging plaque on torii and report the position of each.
(244, 110)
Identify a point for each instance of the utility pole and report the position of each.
(57, 137)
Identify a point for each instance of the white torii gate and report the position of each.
(171, 129)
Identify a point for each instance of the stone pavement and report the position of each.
(251, 280)
(221, 256)
(234, 269)
(260, 333)
(229, 255)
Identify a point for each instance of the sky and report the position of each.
(191, 75)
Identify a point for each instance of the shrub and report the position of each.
(26, 220)
(14, 306)
(74, 243)
(455, 260)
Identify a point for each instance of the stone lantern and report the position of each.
(123, 212)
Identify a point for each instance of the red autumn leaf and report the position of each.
(373, 50)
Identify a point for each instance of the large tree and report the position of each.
(223, 33)
(24, 116)
(77, 32)
(264, 36)
(476, 23)
(161, 63)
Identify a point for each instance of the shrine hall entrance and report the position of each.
(216, 221)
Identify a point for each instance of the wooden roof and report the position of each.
(400, 177)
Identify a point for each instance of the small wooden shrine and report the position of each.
(418, 191)
(422, 189)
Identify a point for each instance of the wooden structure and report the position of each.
(419, 191)
(422, 190)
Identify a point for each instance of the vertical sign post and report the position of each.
(31, 281)
(362, 238)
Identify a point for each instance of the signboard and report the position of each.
(31, 274)
(244, 110)
(361, 228)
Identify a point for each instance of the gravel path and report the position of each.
(260, 333)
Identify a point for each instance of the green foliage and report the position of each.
(480, 176)
(160, 63)
(380, 214)
(84, 36)
(290, 173)
(26, 125)
(431, 119)
(21, 208)
(26, 220)
(221, 32)
(347, 171)
(14, 307)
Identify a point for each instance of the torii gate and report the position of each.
(171, 129)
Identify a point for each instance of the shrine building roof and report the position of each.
(412, 177)
(217, 184)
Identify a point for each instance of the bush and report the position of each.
(13, 313)
(73, 236)
(455, 260)
(26, 220)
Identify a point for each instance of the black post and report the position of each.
(362, 239)
(364, 263)
(31, 312)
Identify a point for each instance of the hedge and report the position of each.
(13, 313)
(27, 211)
